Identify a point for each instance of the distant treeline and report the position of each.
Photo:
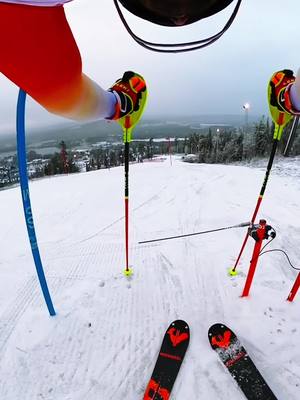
(228, 145)
(214, 145)
(92, 132)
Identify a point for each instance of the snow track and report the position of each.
(103, 342)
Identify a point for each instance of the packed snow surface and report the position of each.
(105, 338)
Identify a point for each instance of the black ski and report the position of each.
(170, 357)
(239, 364)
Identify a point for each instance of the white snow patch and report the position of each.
(104, 340)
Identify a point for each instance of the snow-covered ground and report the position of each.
(104, 340)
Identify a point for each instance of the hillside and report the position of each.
(104, 340)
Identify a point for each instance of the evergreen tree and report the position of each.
(261, 138)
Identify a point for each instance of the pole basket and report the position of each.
(232, 272)
(128, 272)
(294, 290)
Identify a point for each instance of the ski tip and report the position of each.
(179, 323)
(232, 272)
(178, 333)
(217, 327)
(128, 272)
(218, 331)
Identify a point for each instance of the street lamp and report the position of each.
(246, 107)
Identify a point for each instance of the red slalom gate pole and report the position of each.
(295, 288)
(259, 233)
(170, 151)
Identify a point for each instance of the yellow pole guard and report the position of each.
(127, 135)
(278, 129)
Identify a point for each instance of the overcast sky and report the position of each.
(218, 79)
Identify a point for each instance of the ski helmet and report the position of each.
(174, 12)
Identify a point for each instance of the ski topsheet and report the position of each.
(239, 364)
(170, 357)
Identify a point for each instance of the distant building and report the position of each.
(36, 168)
(8, 175)
(81, 158)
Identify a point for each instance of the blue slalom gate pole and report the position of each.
(21, 149)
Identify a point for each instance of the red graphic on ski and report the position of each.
(222, 340)
(176, 336)
(155, 389)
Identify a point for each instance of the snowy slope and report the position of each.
(103, 343)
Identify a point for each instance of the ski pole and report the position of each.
(128, 122)
(280, 119)
(196, 233)
(127, 138)
(21, 150)
(259, 200)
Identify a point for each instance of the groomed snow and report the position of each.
(104, 340)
